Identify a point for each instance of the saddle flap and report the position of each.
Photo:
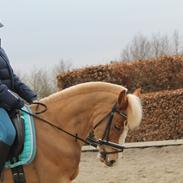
(18, 144)
(28, 148)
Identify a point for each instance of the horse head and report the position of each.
(125, 114)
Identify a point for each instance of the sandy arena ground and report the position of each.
(149, 165)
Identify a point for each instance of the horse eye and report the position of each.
(117, 127)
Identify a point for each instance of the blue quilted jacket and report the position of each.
(10, 82)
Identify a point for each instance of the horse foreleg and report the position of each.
(6, 176)
(29, 172)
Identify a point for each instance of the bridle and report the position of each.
(105, 137)
(109, 123)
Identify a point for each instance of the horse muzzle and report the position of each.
(105, 158)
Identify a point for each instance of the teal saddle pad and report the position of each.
(29, 149)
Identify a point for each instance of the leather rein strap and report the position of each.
(94, 142)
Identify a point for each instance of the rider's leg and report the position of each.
(7, 136)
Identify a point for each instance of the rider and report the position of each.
(9, 101)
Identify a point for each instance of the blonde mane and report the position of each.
(134, 111)
(84, 88)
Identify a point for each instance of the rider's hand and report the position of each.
(19, 104)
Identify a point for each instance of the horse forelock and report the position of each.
(134, 111)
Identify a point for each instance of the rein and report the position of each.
(91, 142)
(40, 104)
(54, 126)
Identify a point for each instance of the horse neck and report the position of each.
(77, 113)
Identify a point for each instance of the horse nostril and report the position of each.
(110, 163)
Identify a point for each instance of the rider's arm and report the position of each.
(8, 100)
(23, 90)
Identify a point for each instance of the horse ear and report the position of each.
(137, 92)
(122, 99)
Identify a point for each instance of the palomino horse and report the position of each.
(78, 110)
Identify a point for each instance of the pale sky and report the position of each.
(39, 33)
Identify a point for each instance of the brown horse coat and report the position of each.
(76, 110)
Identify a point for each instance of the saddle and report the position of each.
(17, 147)
(18, 144)
(23, 150)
